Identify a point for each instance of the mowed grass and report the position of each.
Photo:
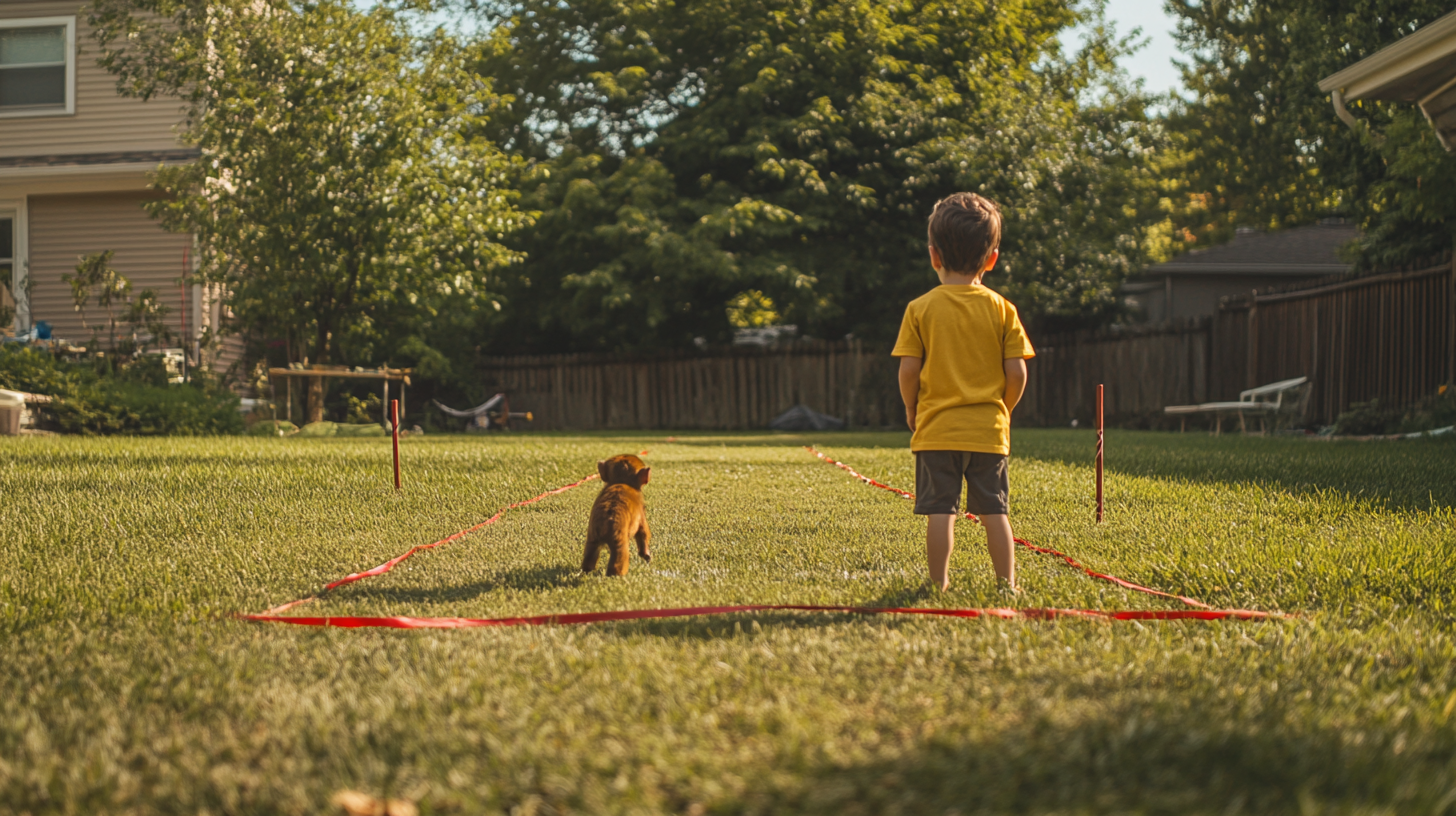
(126, 688)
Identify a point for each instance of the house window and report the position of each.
(37, 66)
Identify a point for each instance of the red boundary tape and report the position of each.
(1048, 613)
(355, 622)
(1023, 542)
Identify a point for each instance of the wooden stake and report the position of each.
(1099, 453)
(394, 423)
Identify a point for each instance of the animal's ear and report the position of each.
(602, 469)
(643, 475)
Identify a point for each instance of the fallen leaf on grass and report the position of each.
(356, 803)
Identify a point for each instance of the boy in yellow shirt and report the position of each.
(962, 353)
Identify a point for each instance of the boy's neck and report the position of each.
(959, 278)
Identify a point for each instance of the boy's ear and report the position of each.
(643, 475)
(936, 262)
(991, 261)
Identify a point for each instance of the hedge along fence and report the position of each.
(1390, 337)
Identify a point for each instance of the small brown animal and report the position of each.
(618, 515)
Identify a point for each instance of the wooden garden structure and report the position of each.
(317, 374)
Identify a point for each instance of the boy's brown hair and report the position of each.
(965, 228)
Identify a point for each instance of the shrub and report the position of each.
(133, 398)
(1435, 411)
(1365, 418)
(326, 428)
(267, 427)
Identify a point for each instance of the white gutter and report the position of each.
(1380, 75)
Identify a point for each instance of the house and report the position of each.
(1191, 284)
(1419, 68)
(74, 162)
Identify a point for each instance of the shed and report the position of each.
(1190, 285)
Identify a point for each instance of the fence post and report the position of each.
(1099, 452)
(394, 432)
(1251, 371)
(1451, 324)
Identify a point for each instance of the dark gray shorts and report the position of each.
(938, 476)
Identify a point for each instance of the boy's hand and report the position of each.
(910, 387)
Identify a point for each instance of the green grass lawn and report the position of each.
(125, 688)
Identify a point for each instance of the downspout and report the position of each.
(1337, 97)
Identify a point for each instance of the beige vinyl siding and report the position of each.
(65, 227)
(103, 122)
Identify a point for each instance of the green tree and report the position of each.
(1262, 146)
(346, 196)
(94, 277)
(684, 154)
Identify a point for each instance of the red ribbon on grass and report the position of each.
(1049, 613)
(1204, 612)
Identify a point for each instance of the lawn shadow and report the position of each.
(1167, 754)
(521, 578)
(731, 624)
(735, 624)
(1400, 475)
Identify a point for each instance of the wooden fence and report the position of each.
(1389, 336)
(732, 388)
(1143, 368)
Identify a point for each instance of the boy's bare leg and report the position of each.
(939, 541)
(999, 541)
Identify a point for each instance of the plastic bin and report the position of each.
(10, 411)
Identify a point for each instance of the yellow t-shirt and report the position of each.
(963, 333)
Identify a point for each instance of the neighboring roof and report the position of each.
(1419, 67)
(1309, 251)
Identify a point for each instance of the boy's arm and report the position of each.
(910, 386)
(1015, 369)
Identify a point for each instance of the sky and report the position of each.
(1153, 64)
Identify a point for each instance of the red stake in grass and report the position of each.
(1099, 452)
(394, 426)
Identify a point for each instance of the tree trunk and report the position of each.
(316, 384)
(315, 399)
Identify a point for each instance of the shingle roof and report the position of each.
(1310, 250)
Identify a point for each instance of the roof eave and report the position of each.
(1380, 72)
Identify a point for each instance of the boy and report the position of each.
(962, 353)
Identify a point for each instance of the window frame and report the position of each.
(69, 108)
(15, 209)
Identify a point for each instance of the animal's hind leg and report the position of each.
(644, 542)
(621, 550)
(593, 550)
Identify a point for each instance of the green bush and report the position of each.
(326, 428)
(1367, 418)
(267, 427)
(1435, 411)
(97, 398)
